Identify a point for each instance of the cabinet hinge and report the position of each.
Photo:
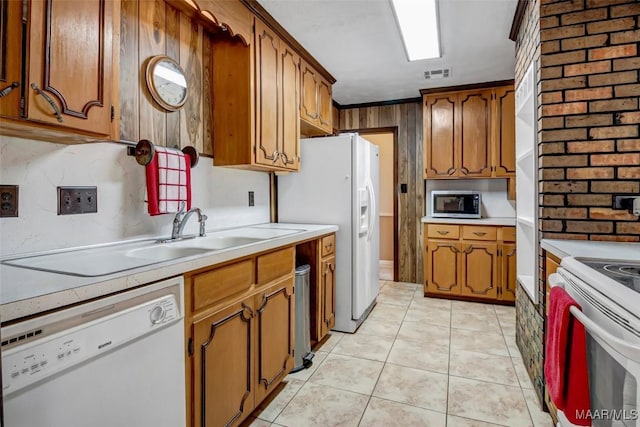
(113, 113)
(190, 347)
(25, 5)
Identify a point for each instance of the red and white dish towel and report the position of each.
(168, 181)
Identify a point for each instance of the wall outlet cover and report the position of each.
(77, 200)
(8, 201)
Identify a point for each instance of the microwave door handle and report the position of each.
(630, 351)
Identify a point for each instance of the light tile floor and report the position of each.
(415, 361)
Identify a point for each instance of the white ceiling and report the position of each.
(359, 43)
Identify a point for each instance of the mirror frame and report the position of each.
(153, 90)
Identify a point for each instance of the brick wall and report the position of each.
(529, 318)
(590, 146)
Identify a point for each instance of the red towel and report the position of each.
(565, 364)
(168, 181)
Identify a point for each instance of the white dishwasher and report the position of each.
(114, 361)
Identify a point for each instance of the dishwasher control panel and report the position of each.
(38, 359)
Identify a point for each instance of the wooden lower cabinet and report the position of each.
(275, 315)
(240, 320)
(327, 295)
(320, 255)
(479, 271)
(223, 380)
(442, 267)
(472, 262)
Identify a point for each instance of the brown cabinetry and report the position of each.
(256, 115)
(468, 261)
(469, 134)
(69, 76)
(315, 102)
(319, 254)
(240, 332)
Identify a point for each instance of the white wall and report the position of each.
(39, 167)
(493, 193)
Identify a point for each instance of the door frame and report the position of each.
(394, 131)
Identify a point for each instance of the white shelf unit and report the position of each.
(527, 184)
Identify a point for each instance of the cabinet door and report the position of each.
(475, 131)
(479, 270)
(325, 116)
(309, 96)
(275, 315)
(290, 84)
(440, 136)
(223, 357)
(70, 64)
(508, 272)
(10, 57)
(328, 290)
(504, 136)
(268, 96)
(443, 267)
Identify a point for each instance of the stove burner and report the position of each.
(623, 270)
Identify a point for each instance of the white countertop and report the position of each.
(508, 221)
(592, 249)
(24, 292)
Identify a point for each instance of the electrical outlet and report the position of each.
(628, 202)
(77, 200)
(252, 200)
(8, 200)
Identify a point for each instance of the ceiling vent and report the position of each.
(437, 74)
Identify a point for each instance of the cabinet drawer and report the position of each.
(508, 234)
(443, 231)
(475, 232)
(224, 282)
(328, 245)
(275, 265)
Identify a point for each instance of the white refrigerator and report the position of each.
(338, 184)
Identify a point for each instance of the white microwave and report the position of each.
(456, 204)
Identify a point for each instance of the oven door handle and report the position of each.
(630, 351)
(622, 347)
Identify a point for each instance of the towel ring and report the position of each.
(145, 150)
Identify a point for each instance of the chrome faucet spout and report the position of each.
(179, 222)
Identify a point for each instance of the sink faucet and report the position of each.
(180, 221)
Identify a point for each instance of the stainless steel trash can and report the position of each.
(302, 355)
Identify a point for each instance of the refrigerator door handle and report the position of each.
(372, 210)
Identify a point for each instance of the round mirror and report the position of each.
(166, 82)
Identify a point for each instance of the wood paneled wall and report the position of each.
(149, 28)
(407, 118)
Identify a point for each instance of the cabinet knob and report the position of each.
(275, 156)
(246, 308)
(442, 232)
(479, 233)
(40, 92)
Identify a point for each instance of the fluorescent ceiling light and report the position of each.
(418, 22)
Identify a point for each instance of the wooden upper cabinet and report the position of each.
(256, 110)
(469, 134)
(504, 152)
(268, 114)
(290, 88)
(474, 121)
(70, 64)
(316, 113)
(441, 135)
(10, 57)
